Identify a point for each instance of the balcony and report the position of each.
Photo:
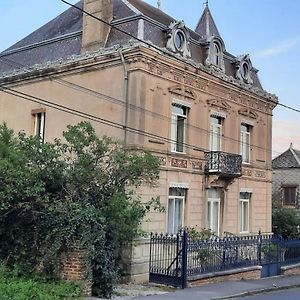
(223, 164)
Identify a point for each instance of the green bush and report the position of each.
(285, 222)
(73, 193)
(14, 287)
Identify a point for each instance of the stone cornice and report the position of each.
(183, 70)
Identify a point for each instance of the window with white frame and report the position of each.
(39, 125)
(178, 127)
(245, 143)
(215, 133)
(176, 209)
(216, 55)
(244, 211)
(213, 210)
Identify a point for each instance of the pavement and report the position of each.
(213, 291)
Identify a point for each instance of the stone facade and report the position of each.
(127, 89)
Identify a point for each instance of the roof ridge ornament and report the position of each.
(158, 4)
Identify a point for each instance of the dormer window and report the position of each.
(216, 57)
(178, 39)
(243, 69)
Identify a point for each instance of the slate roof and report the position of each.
(61, 38)
(206, 26)
(288, 159)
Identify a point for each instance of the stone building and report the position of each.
(164, 87)
(286, 179)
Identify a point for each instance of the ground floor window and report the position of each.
(213, 210)
(244, 211)
(176, 209)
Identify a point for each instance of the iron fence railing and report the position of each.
(226, 164)
(174, 259)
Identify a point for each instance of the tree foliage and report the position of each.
(285, 222)
(79, 192)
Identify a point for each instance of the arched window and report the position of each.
(216, 55)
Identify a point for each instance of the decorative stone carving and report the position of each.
(179, 163)
(178, 39)
(183, 91)
(219, 104)
(196, 165)
(247, 172)
(244, 69)
(260, 174)
(248, 113)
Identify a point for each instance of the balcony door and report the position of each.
(215, 133)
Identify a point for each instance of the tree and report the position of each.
(285, 222)
(80, 192)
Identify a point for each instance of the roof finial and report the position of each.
(291, 145)
(158, 4)
(206, 3)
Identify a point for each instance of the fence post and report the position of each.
(259, 247)
(184, 259)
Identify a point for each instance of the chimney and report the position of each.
(95, 32)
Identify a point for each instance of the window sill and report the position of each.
(176, 152)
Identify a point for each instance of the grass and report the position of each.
(14, 287)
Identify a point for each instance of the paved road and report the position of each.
(290, 294)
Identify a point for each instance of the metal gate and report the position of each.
(168, 255)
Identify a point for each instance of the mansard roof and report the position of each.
(288, 159)
(61, 38)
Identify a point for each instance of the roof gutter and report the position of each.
(125, 95)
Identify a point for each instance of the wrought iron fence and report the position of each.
(173, 259)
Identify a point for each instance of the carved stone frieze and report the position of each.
(179, 163)
(183, 91)
(248, 113)
(260, 174)
(219, 104)
(247, 172)
(196, 165)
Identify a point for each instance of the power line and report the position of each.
(134, 107)
(92, 117)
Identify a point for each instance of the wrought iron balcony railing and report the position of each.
(223, 164)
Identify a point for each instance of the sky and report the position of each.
(269, 30)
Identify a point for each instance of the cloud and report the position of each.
(283, 47)
(284, 133)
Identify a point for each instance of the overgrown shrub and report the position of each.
(79, 192)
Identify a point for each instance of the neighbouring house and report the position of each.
(286, 179)
(167, 88)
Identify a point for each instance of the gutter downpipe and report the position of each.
(125, 93)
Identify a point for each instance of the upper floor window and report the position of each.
(39, 124)
(289, 196)
(178, 128)
(216, 55)
(215, 133)
(245, 143)
(175, 210)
